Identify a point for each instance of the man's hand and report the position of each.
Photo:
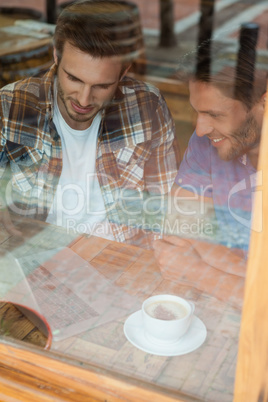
(7, 223)
(174, 254)
(179, 261)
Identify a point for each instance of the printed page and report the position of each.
(71, 294)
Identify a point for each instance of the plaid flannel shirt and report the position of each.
(137, 154)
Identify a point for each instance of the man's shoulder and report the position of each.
(26, 87)
(29, 89)
(131, 84)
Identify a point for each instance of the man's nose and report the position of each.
(85, 96)
(203, 126)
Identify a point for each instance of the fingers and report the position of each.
(178, 245)
(163, 250)
(166, 255)
(170, 249)
(177, 241)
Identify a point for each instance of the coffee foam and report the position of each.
(166, 310)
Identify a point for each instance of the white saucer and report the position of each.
(193, 339)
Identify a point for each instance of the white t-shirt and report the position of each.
(78, 204)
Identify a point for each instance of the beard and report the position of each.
(73, 116)
(244, 139)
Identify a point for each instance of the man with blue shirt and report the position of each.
(218, 173)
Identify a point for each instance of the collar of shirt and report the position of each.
(243, 159)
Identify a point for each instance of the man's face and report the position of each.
(85, 85)
(232, 129)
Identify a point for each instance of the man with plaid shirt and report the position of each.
(89, 148)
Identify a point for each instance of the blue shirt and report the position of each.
(230, 184)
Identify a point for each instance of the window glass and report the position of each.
(113, 191)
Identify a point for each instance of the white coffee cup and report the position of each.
(166, 318)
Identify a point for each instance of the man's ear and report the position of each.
(55, 55)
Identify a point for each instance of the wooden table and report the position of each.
(19, 41)
(207, 373)
(24, 51)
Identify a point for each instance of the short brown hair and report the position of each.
(100, 28)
